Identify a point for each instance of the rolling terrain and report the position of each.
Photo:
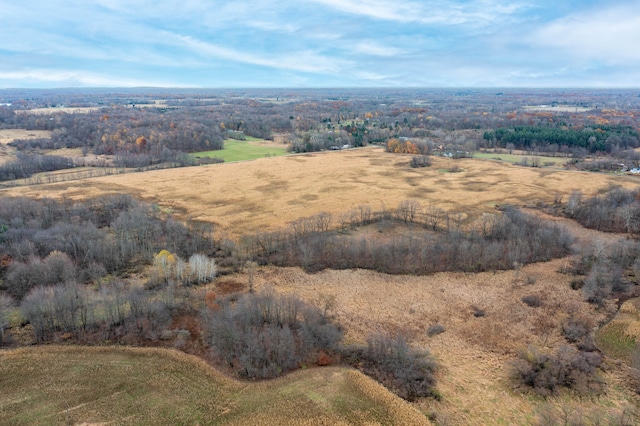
(130, 386)
(268, 193)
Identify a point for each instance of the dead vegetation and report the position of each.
(485, 315)
(265, 194)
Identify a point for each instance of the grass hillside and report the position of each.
(94, 385)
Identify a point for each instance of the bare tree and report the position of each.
(6, 304)
(433, 216)
(573, 203)
(251, 274)
(631, 217)
(365, 214)
(203, 269)
(407, 210)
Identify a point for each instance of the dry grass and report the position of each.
(268, 193)
(557, 108)
(9, 135)
(473, 351)
(53, 110)
(75, 385)
(618, 337)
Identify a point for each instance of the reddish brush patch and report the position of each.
(323, 359)
(210, 300)
(5, 261)
(187, 322)
(229, 286)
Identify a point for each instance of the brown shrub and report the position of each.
(323, 359)
(210, 300)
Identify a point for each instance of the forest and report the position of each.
(136, 131)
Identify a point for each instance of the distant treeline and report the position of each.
(124, 130)
(25, 165)
(598, 138)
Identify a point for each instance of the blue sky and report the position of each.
(319, 43)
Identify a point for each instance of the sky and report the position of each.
(319, 43)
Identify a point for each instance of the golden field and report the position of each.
(265, 194)
(268, 193)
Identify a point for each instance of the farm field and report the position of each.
(52, 385)
(516, 158)
(268, 193)
(250, 149)
(557, 108)
(68, 110)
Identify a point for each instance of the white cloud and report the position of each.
(373, 48)
(319, 42)
(305, 61)
(475, 13)
(370, 75)
(606, 36)
(272, 26)
(62, 78)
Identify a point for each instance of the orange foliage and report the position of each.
(141, 141)
(5, 261)
(402, 147)
(411, 148)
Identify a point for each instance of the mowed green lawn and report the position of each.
(60, 385)
(515, 158)
(243, 150)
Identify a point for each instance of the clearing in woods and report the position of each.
(250, 149)
(7, 136)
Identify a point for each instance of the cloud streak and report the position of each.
(446, 13)
(320, 43)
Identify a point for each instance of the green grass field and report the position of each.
(514, 158)
(250, 149)
(59, 385)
